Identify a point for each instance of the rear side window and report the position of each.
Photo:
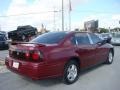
(95, 38)
(82, 38)
(50, 38)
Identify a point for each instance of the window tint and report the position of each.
(82, 38)
(50, 38)
(95, 38)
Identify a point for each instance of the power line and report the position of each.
(56, 11)
(32, 13)
(91, 11)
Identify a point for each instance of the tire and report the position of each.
(110, 58)
(71, 72)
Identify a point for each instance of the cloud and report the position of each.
(105, 20)
(116, 17)
(18, 7)
(39, 14)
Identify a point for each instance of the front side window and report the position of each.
(82, 38)
(50, 38)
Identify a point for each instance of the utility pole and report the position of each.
(70, 8)
(109, 30)
(69, 20)
(62, 15)
(54, 21)
(0, 27)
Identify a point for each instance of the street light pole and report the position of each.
(70, 15)
(54, 21)
(62, 15)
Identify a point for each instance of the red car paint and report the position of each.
(55, 56)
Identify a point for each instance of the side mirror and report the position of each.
(102, 42)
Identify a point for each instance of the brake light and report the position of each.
(33, 55)
(36, 55)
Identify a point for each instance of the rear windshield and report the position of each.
(50, 37)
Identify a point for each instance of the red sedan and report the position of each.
(58, 54)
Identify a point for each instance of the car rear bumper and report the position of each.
(28, 69)
(32, 70)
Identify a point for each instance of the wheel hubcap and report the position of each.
(110, 57)
(72, 72)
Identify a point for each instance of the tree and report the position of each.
(103, 30)
(77, 29)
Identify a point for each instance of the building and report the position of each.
(91, 26)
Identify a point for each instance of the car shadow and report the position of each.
(56, 81)
(91, 69)
(45, 82)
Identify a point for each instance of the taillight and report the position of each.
(33, 55)
(36, 55)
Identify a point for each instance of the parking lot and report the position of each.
(3, 54)
(102, 77)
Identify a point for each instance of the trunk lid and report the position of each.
(18, 50)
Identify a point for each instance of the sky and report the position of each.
(15, 13)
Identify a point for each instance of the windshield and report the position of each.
(2, 38)
(116, 35)
(50, 38)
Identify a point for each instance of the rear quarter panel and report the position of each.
(57, 56)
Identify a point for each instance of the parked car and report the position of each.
(58, 54)
(3, 42)
(115, 38)
(107, 37)
(22, 33)
(4, 33)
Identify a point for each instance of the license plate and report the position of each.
(15, 65)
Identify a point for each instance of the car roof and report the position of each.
(72, 32)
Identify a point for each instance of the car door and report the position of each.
(100, 51)
(85, 49)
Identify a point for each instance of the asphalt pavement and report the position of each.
(3, 54)
(101, 77)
